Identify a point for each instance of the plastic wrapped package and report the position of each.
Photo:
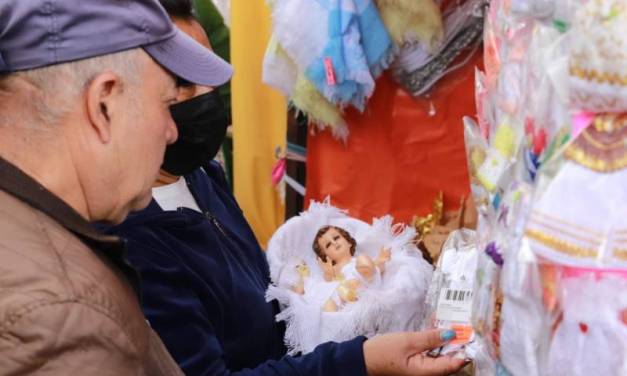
(592, 329)
(598, 64)
(418, 70)
(573, 244)
(507, 96)
(554, 13)
(539, 9)
(449, 299)
(578, 215)
(504, 313)
(556, 219)
(487, 298)
(522, 315)
(500, 155)
(483, 110)
(491, 47)
(476, 150)
(544, 108)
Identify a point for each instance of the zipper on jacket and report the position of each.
(207, 213)
(215, 222)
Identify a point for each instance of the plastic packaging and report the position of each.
(449, 299)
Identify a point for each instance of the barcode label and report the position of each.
(458, 295)
(454, 305)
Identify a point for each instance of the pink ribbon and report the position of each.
(581, 121)
(278, 171)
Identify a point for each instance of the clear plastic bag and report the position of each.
(449, 299)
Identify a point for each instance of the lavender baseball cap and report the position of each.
(38, 33)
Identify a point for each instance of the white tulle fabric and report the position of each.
(395, 302)
(592, 338)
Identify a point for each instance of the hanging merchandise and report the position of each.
(419, 66)
(341, 46)
(280, 72)
(550, 296)
(413, 22)
(325, 56)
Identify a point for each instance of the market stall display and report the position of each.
(546, 158)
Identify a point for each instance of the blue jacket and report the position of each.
(203, 280)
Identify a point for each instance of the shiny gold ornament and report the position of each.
(424, 225)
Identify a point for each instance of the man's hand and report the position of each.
(404, 354)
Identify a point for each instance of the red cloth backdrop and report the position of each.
(398, 157)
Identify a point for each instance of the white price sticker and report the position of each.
(454, 305)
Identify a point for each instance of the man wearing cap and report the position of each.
(85, 90)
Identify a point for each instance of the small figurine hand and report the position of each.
(365, 267)
(385, 255)
(330, 306)
(299, 287)
(347, 290)
(327, 269)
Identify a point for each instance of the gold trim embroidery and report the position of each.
(594, 242)
(573, 225)
(560, 245)
(594, 75)
(600, 145)
(577, 155)
(569, 248)
(609, 123)
(620, 254)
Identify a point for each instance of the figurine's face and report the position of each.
(334, 245)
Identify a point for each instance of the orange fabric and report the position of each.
(398, 157)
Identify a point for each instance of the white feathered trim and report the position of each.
(395, 304)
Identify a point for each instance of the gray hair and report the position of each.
(57, 87)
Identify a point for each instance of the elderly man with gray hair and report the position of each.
(85, 90)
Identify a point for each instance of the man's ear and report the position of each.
(100, 95)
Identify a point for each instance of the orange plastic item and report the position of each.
(399, 155)
(463, 333)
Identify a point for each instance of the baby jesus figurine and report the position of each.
(335, 249)
(371, 279)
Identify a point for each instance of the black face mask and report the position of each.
(201, 123)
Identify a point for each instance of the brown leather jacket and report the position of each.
(66, 304)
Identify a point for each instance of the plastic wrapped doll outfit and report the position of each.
(577, 228)
(579, 220)
(592, 331)
(388, 300)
